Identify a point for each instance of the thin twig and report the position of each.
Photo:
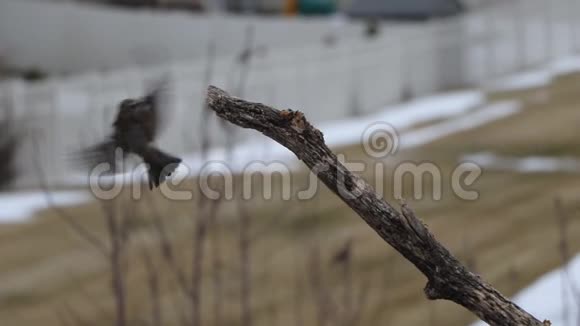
(325, 307)
(76, 318)
(197, 259)
(298, 301)
(208, 75)
(217, 279)
(567, 280)
(244, 59)
(116, 259)
(245, 265)
(166, 248)
(362, 299)
(154, 288)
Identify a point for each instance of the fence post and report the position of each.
(490, 59)
(521, 43)
(406, 69)
(573, 11)
(548, 31)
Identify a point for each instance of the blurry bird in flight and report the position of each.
(135, 128)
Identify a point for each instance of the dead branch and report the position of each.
(199, 240)
(447, 278)
(167, 249)
(70, 314)
(244, 60)
(564, 248)
(245, 265)
(361, 301)
(343, 260)
(326, 308)
(116, 260)
(298, 301)
(154, 288)
(216, 274)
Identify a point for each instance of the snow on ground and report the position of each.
(402, 116)
(551, 296)
(468, 121)
(537, 78)
(566, 65)
(523, 81)
(533, 164)
(18, 206)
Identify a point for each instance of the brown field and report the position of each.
(509, 235)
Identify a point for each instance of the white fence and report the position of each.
(355, 76)
(72, 38)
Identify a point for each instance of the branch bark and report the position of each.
(447, 278)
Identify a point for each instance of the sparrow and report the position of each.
(134, 130)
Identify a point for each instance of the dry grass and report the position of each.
(509, 236)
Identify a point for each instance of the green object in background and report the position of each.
(316, 7)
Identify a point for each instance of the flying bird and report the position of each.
(134, 130)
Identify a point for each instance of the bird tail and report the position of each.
(160, 166)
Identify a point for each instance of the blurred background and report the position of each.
(489, 82)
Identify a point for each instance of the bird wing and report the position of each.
(102, 153)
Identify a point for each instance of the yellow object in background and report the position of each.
(291, 7)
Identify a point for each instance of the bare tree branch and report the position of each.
(201, 224)
(361, 301)
(217, 271)
(447, 278)
(154, 288)
(73, 315)
(166, 248)
(245, 264)
(568, 282)
(322, 300)
(116, 259)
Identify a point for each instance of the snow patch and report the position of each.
(523, 81)
(19, 206)
(348, 132)
(478, 118)
(537, 78)
(566, 65)
(532, 164)
(547, 296)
